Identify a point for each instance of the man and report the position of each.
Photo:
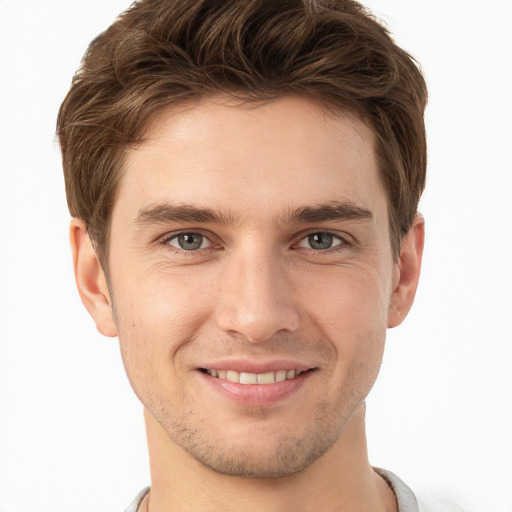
(243, 179)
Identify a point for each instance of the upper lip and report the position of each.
(257, 366)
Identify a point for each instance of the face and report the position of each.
(251, 276)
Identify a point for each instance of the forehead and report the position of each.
(225, 155)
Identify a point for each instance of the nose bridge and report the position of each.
(256, 299)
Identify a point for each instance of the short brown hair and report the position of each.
(162, 52)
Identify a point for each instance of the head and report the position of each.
(164, 53)
(248, 176)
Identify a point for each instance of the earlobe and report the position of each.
(90, 279)
(408, 272)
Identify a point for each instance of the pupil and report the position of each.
(320, 241)
(190, 241)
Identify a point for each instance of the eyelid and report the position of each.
(165, 239)
(206, 243)
(345, 239)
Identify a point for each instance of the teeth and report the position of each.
(254, 378)
(266, 378)
(281, 375)
(232, 376)
(248, 378)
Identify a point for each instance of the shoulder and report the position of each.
(404, 496)
(134, 505)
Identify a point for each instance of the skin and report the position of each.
(256, 290)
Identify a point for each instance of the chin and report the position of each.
(285, 458)
(265, 451)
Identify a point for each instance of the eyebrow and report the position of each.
(168, 212)
(335, 210)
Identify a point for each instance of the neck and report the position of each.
(341, 480)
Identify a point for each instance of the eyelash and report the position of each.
(343, 245)
(167, 238)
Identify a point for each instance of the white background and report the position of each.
(71, 430)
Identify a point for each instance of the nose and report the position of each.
(256, 298)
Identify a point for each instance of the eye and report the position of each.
(189, 241)
(320, 241)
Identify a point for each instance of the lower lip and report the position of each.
(257, 394)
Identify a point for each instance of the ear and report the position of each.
(90, 279)
(407, 272)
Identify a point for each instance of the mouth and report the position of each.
(253, 378)
(256, 383)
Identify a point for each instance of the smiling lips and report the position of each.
(254, 378)
(256, 383)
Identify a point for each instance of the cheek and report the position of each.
(348, 298)
(351, 311)
(156, 316)
(163, 304)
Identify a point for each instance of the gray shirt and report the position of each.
(404, 496)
